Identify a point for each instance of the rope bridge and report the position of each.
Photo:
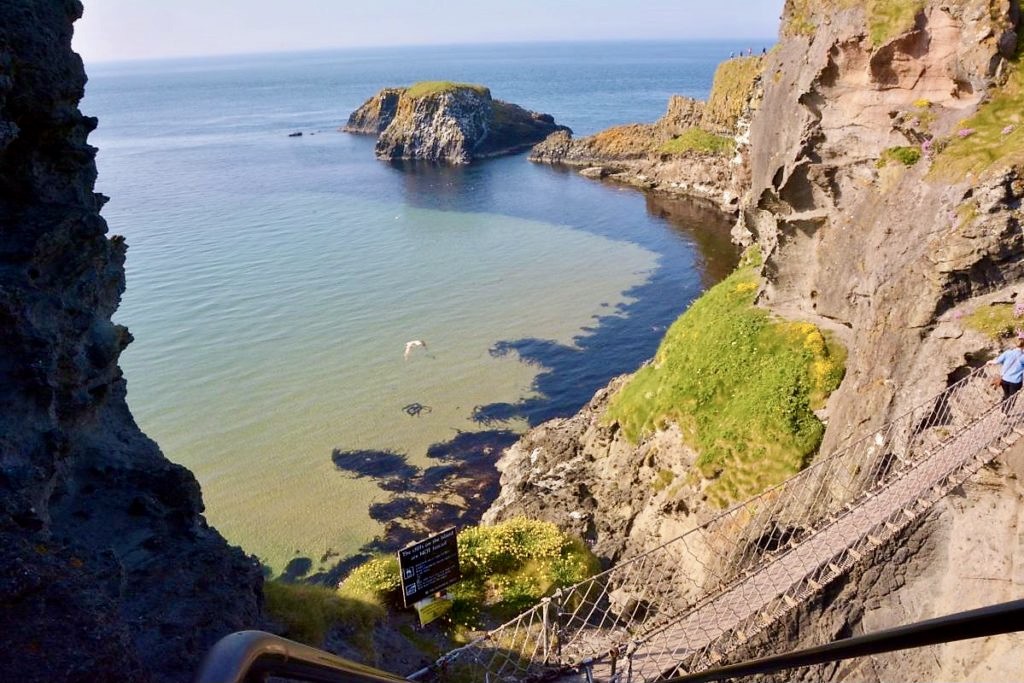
(681, 607)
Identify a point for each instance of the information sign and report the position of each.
(431, 609)
(429, 566)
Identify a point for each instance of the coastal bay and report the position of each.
(273, 281)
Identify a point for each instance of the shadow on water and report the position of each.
(694, 251)
(622, 340)
(453, 492)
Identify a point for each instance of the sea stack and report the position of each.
(447, 122)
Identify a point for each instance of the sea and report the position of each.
(273, 281)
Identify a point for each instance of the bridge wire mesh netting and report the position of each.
(683, 605)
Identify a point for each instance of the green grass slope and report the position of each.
(742, 387)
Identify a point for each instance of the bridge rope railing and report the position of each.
(682, 605)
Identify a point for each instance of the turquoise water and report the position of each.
(274, 281)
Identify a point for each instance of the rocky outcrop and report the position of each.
(108, 570)
(375, 114)
(448, 122)
(696, 149)
(587, 478)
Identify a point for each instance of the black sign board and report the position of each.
(429, 566)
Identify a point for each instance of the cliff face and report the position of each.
(108, 570)
(882, 249)
(696, 149)
(448, 122)
(886, 173)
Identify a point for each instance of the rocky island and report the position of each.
(447, 122)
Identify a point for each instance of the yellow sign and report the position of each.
(430, 609)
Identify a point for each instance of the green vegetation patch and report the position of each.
(506, 568)
(307, 611)
(908, 156)
(997, 321)
(730, 92)
(426, 88)
(802, 16)
(663, 479)
(886, 19)
(697, 140)
(993, 139)
(741, 386)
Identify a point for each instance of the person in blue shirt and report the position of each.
(1011, 364)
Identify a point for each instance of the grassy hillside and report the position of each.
(697, 140)
(992, 139)
(741, 385)
(730, 92)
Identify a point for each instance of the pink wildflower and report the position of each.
(1007, 130)
(957, 315)
(965, 132)
(1018, 310)
(926, 147)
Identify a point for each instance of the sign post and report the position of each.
(429, 566)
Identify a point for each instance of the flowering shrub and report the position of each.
(505, 569)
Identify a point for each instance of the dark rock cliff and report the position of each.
(447, 122)
(108, 571)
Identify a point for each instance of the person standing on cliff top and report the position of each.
(1011, 364)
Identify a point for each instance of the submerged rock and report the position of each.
(450, 122)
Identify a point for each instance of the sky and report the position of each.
(120, 30)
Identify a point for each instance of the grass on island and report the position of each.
(506, 568)
(730, 92)
(993, 139)
(886, 19)
(997, 321)
(697, 140)
(908, 156)
(742, 387)
(426, 88)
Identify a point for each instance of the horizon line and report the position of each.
(767, 41)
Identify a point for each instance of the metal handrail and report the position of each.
(1001, 619)
(252, 656)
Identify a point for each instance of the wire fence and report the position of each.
(682, 606)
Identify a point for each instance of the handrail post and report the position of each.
(545, 635)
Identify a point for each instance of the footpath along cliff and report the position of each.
(879, 170)
(108, 571)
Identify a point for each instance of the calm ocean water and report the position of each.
(274, 281)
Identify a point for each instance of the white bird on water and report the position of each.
(410, 345)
